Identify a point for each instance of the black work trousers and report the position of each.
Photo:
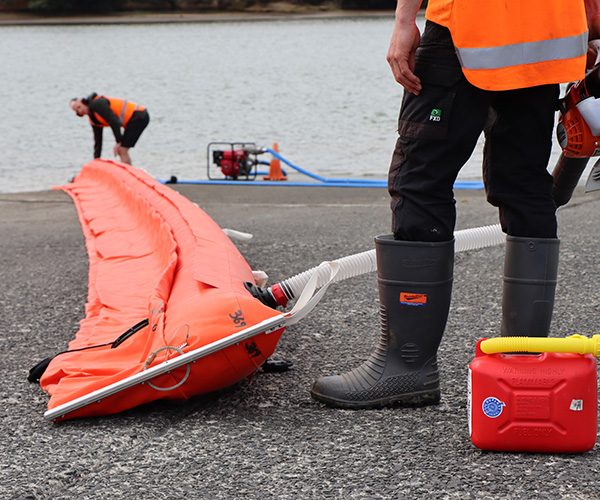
(138, 122)
(438, 132)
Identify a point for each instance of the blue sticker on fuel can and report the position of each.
(492, 407)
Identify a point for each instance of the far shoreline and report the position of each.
(154, 17)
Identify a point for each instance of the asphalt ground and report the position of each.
(269, 439)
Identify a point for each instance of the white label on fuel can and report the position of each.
(469, 398)
(576, 405)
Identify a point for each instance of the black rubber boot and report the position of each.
(415, 287)
(530, 272)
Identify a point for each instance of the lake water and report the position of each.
(320, 88)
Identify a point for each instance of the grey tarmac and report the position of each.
(268, 439)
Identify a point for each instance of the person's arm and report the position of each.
(97, 141)
(592, 11)
(101, 107)
(403, 45)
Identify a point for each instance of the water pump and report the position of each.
(236, 160)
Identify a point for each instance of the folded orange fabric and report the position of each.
(154, 255)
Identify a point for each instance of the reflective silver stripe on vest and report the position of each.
(523, 53)
(124, 108)
(123, 111)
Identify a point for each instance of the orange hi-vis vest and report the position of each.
(516, 43)
(120, 107)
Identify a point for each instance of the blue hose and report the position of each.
(318, 177)
(323, 181)
(474, 185)
(226, 182)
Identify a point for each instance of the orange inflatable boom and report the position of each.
(156, 256)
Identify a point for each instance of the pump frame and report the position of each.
(251, 150)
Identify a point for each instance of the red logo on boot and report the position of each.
(413, 299)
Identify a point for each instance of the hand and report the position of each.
(116, 149)
(401, 56)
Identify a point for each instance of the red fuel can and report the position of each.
(544, 402)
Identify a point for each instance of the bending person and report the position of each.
(115, 113)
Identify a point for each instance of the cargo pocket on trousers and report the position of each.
(427, 115)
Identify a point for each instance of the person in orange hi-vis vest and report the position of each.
(479, 66)
(115, 113)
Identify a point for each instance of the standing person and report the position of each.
(115, 113)
(479, 66)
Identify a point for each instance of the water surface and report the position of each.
(320, 88)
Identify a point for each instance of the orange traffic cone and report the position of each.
(275, 173)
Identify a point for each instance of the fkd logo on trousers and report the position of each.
(435, 115)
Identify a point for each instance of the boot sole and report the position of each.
(413, 400)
